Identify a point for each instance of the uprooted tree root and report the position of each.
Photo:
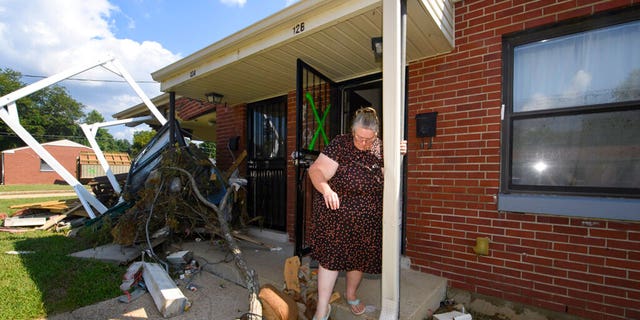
(177, 198)
(168, 199)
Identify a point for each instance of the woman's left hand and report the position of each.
(403, 147)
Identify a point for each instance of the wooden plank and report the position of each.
(291, 268)
(52, 222)
(15, 230)
(38, 204)
(24, 222)
(235, 165)
(247, 238)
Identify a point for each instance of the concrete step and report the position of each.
(420, 293)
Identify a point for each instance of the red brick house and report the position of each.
(24, 166)
(537, 108)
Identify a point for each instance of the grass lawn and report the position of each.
(48, 281)
(35, 187)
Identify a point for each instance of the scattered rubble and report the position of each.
(45, 215)
(172, 192)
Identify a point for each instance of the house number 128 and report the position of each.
(298, 28)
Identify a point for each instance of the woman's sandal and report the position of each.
(353, 303)
(326, 316)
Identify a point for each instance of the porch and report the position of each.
(420, 293)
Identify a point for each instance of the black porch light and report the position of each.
(214, 98)
(376, 46)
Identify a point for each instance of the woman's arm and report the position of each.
(320, 172)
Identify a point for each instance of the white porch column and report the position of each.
(393, 114)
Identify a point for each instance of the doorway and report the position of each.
(324, 109)
(266, 163)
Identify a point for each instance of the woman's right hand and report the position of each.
(331, 200)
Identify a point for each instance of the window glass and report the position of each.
(45, 166)
(588, 68)
(599, 150)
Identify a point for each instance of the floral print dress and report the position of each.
(350, 238)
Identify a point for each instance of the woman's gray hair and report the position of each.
(366, 118)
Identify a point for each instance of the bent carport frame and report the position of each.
(9, 114)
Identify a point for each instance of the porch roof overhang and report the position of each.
(197, 117)
(334, 36)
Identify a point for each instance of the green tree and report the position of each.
(105, 140)
(48, 114)
(140, 140)
(209, 148)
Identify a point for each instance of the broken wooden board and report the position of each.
(291, 268)
(241, 236)
(52, 222)
(54, 206)
(66, 207)
(24, 222)
(235, 165)
(14, 230)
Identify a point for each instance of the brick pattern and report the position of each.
(582, 267)
(231, 121)
(189, 109)
(23, 166)
(291, 169)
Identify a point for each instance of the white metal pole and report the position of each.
(85, 197)
(393, 109)
(123, 73)
(25, 91)
(90, 131)
(9, 114)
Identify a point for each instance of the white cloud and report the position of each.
(45, 37)
(579, 84)
(239, 3)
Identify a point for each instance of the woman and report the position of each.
(347, 233)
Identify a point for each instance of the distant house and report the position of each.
(24, 166)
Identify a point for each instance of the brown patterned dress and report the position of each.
(350, 238)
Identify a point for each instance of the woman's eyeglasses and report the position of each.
(364, 140)
(366, 110)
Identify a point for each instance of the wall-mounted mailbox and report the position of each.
(426, 126)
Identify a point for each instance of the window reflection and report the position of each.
(587, 150)
(588, 68)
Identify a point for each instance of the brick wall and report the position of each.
(230, 122)
(23, 166)
(583, 267)
(291, 169)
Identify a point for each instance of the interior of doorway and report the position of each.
(360, 94)
(367, 92)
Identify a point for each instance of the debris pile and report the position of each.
(173, 192)
(300, 287)
(450, 310)
(61, 214)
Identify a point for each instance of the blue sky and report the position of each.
(183, 27)
(45, 37)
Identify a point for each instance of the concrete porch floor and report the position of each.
(420, 293)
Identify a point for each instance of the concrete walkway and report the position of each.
(420, 293)
(221, 295)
